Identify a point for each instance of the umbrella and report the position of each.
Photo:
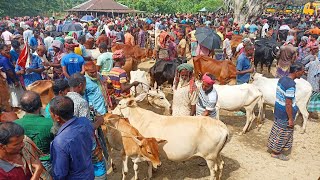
(71, 27)
(208, 38)
(87, 18)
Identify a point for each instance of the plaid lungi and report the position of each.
(314, 103)
(280, 138)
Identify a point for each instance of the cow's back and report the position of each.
(44, 89)
(186, 136)
(5, 95)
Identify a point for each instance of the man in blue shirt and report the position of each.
(13, 82)
(244, 67)
(93, 92)
(72, 63)
(70, 150)
(35, 40)
(285, 110)
(33, 72)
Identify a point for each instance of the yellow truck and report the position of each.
(311, 8)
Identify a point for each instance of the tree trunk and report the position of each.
(245, 9)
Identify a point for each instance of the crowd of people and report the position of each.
(65, 142)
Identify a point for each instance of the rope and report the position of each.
(106, 124)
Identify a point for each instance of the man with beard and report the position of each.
(285, 110)
(19, 155)
(207, 97)
(184, 92)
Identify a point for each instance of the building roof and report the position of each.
(102, 6)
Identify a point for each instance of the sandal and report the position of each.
(280, 156)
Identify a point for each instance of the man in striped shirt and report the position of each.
(285, 110)
(118, 76)
(207, 98)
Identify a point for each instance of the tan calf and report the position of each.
(122, 136)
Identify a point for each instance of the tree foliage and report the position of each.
(47, 7)
(35, 7)
(172, 6)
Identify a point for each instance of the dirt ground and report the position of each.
(245, 156)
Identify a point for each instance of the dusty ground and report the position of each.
(245, 156)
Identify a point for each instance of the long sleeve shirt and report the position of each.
(71, 150)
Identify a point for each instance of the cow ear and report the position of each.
(159, 141)
(141, 97)
(130, 102)
(138, 140)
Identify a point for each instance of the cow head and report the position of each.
(149, 148)
(156, 98)
(123, 106)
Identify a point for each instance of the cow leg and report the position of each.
(125, 166)
(212, 165)
(221, 164)
(261, 65)
(136, 171)
(305, 115)
(149, 170)
(217, 112)
(248, 120)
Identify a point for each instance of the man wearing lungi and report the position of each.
(285, 110)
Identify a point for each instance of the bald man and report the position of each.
(41, 52)
(36, 127)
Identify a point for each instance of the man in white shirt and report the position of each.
(27, 34)
(227, 46)
(6, 36)
(47, 40)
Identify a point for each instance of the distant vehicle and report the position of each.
(280, 8)
(311, 8)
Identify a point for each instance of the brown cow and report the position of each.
(235, 41)
(224, 71)
(44, 89)
(8, 116)
(135, 52)
(123, 136)
(5, 95)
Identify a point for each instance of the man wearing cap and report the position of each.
(227, 51)
(207, 97)
(240, 47)
(118, 78)
(185, 93)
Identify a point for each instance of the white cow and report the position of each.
(235, 97)
(155, 97)
(268, 88)
(186, 136)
